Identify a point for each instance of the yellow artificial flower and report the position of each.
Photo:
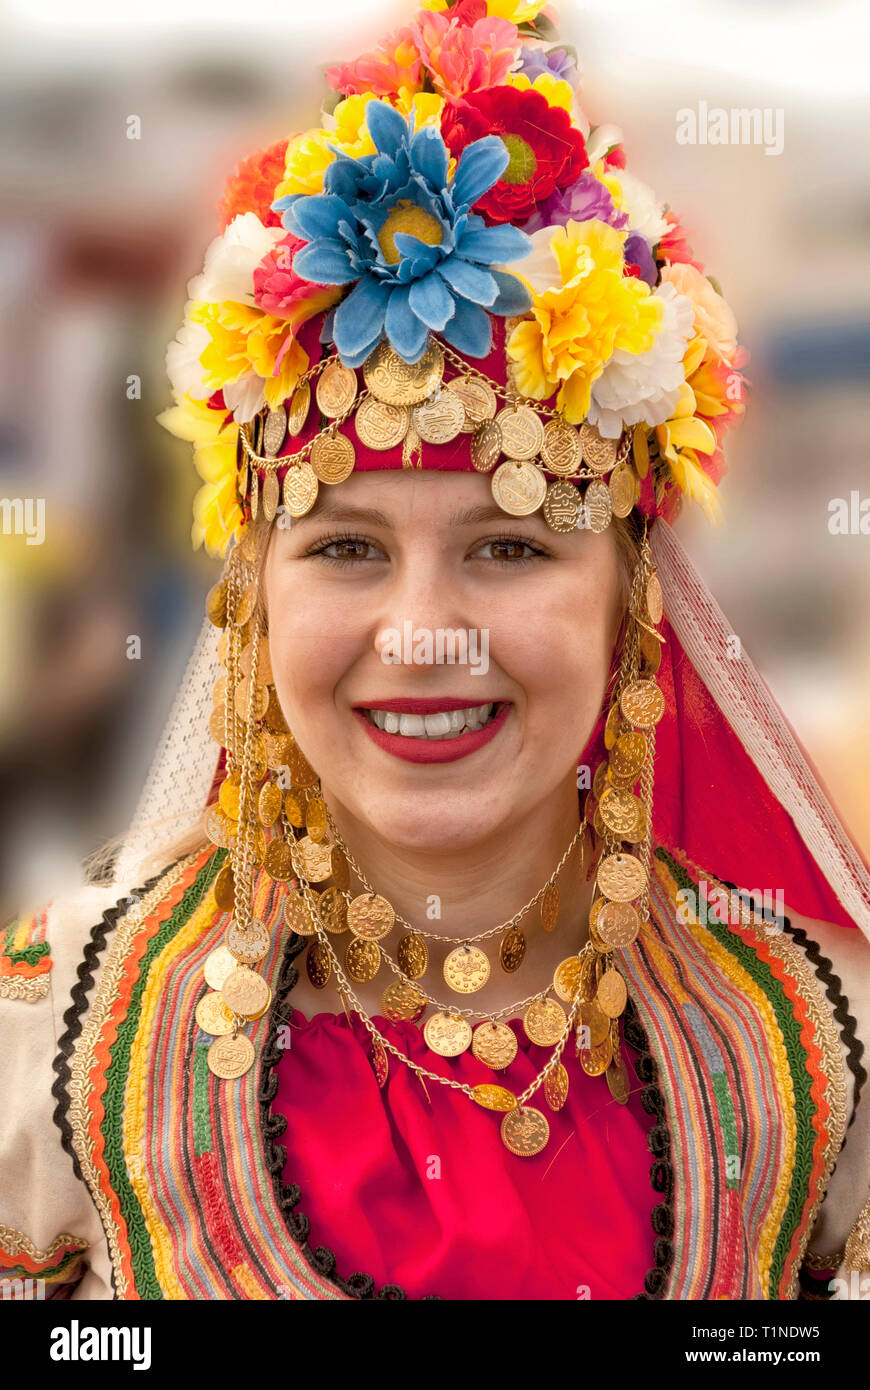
(243, 340)
(309, 155)
(555, 90)
(517, 11)
(575, 327)
(217, 515)
(684, 436)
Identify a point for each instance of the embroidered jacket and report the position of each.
(170, 1184)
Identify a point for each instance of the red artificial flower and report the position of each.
(615, 157)
(251, 186)
(546, 152)
(674, 247)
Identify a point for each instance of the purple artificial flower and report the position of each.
(535, 61)
(637, 251)
(586, 198)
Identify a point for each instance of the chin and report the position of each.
(433, 821)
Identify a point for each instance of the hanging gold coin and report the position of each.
(230, 1056)
(245, 992)
(225, 889)
(402, 1003)
(600, 780)
(213, 1016)
(269, 804)
(216, 604)
(512, 950)
(380, 1062)
(255, 494)
(518, 487)
(412, 955)
(403, 383)
(248, 944)
(655, 604)
(297, 411)
(550, 907)
(362, 960)
(340, 870)
(618, 925)
(274, 715)
(595, 1021)
(613, 726)
(612, 994)
(300, 488)
(524, 1131)
(251, 703)
(486, 447)
(562, 507)
(332, 910)
(218, 965)
(302, 774)
(560, 450)
(521, 431)
(316, 859)
(623, 489)
(544, 1022)
(618, 1082)
(566, 978)
(294, 808)
(478, 400)
(599, 454)
(228, 798)
(370, 916)
(650, 650)
(556, 1087)
(271, 495)
(245, 606)
(621, 877)
(642, 703)
(332, 458)
(599, 508)
(595, 1060)
(620, 811)
(466, 969)
(439, 420)
(336, 390)
(318, 965)
(494, 1097)
(315, 818)
(494, 1044)
(219, 828)
(380, 426)
(627, 757)
(279, 861)
(447, 1034)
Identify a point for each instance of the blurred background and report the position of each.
(100, 233)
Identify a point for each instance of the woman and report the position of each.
(537, 1046)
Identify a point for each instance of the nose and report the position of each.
(422, 595)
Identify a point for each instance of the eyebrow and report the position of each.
(340, 512)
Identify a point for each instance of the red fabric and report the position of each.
(572, 1222)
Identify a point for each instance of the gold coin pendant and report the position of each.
(642, 703)
(249, 944)
(478, 400)
(412, 955)
(370, 916)
(300, 488)
(271, 495)
(599, 508)
(521, 431)
(562, 507)
(621, 877)
(318, 965)
(466, 969)
(439, 420)
(544, 1022)
(524, 1131)
(213, 1016)
(401, 1002)
(560, 450)
(566, 978)
(556, 1087)
(297, 411)
(332, 458)
(599, 454)
(316, 859)
(332, 911)
(381, 426)
(229, 1057)
(494, 1044)
(397, 382)
(512, 950)
(486, 447)
(245, 992)
(550, 907)
(219, 964)
(494, 1097)
(518, 487)
(618, 925)
(447, 1034)
(362, 959)
(612, 994)
(336, 390)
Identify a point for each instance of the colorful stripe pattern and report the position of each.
(25, 959)
(750, 1065)
(27, 1272)
(182, 1165)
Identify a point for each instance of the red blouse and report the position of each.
(423, 1194)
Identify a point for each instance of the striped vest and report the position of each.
(738, 1055)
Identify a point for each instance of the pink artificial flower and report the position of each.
(464, 48)
(674, 247)
(279, 291)
(394, 64)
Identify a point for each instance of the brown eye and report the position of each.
(507, 550)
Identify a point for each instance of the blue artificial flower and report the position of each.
(419, 260)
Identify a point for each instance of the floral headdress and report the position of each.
(454, 232)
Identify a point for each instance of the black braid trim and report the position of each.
(321, 1259)
(659, 1141)
(73, 1015)
(833, 991)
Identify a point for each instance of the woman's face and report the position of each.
(357, 593)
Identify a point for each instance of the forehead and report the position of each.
(408, 498)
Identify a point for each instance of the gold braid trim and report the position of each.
(18, 987)
(14, 1242)
(857, 1253)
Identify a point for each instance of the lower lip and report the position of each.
(424, 750)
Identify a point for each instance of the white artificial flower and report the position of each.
(232, 258)
(245, 397)
(541, 269)
(645, 212)
(602, 139)
(645, 386)
(183, 364)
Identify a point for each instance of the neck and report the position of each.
(460, 891)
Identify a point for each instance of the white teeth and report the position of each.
(444, 724)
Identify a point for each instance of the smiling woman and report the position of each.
(448, 923)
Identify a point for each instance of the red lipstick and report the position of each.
(423, 750)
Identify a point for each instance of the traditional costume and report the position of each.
(452, 271)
